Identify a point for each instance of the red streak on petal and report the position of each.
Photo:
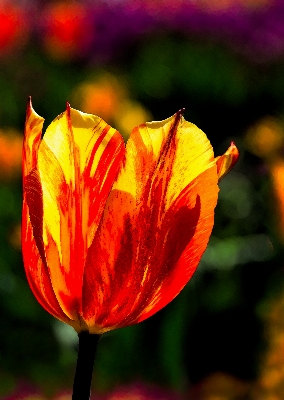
(33, 192)
(37, 270)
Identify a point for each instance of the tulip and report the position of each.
(112, 233)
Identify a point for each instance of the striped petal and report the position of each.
(77, 162)
(39, 280)
(226, 162)
(32, 243)
(155, 227)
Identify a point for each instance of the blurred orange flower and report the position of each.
(220, 386)
(101, 96)
(277, 176)
(10, 153)
(266, 138)
(111, 234)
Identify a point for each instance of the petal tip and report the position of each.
(68, 108)
(178, 117)
(179, 114)
(227, 161)
(29, 107)
(31, 115)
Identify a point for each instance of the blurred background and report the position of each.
(131, 61)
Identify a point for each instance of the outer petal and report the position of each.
(226, 162)
(39, 280)
(78, 160)
(155, 227)
(33, 252)
(32, 138)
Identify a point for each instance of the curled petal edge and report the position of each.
(227, 161)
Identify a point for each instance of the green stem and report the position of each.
(84, 368)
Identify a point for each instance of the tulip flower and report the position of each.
(112, 233)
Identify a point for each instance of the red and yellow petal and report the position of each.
(129, 260)
(38, 275)
(188, 239)
(226, 162)
(78, 160)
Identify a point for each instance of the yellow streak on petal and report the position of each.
(58, 140)
(51, 176)
(145, 275)
(157, 132)
(194, 155)
(86, 130)
(155, 298)
(127, 181)
(62, 148)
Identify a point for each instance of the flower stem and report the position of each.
(84, 368)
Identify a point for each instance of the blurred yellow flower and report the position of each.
(130, 113)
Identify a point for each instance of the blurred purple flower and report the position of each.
(103, 29)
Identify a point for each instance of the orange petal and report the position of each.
(38, 275)
(158, 213)
(77, 162)
(203, 189)
(226, 162)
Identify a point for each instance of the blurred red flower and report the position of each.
(13, 27)
(67, 29)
